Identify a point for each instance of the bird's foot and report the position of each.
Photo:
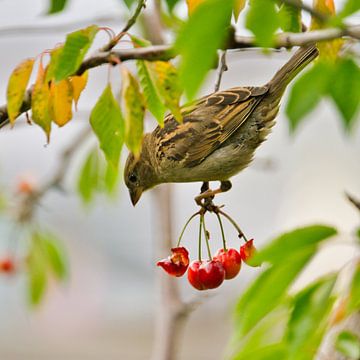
(206, 197)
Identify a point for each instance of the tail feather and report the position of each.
(298, 62)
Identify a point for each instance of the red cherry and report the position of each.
(247, 251)
(7, 266)
(230, 260)
(204, 275)
(177, 263)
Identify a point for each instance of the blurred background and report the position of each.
(108, 308)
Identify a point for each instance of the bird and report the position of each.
(217, 137)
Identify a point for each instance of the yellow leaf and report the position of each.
(16, 87)
(193, 4)
(166, 79)
(78, 84)
(61, 101)
(327, 49)
(40, 103)
(238, 6)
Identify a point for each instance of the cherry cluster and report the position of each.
(209, 274)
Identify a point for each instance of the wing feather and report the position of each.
(207, 124)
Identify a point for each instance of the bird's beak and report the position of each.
(135, 195)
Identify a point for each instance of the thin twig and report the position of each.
(222, 68)
(354, 201)
(141, 5)
(167, 52)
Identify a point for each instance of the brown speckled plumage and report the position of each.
(219, 134)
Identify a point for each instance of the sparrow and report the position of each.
(217, 138)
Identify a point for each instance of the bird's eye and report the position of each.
(132, 178)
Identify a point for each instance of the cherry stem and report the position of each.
(206, 238)
(241, 234)
(200, 229)
(185, 226)
(222, 231)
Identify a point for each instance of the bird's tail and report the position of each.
(298, 62)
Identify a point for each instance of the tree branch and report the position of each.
(167, 52)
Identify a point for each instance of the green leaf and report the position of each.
(37, 277)
(76, 45)
(171, 4)
(129, 3)
(348, 344)
(89, 176)
(152, 97)
(16, 88)
(307, 92)
(263, 296)
(111, 179)
(350, 7)
(108, 124)
(270, 352)
(269, 331)
(291, 242)
(134, 110)
(57, 6)
(345, 90)
(290, 18)
(263, 20)
(354, 297)
(53, 64)
(198, 41)
(309, 316)
(55, 255)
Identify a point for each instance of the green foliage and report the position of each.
(45, 254)
(55, 254)
(296, 240)
(307, 92)
(262, 296)
(108, 125)
(89, 176)
(345, 89)
(129, 3)
(263, 20)
(348, 344)
(265, 337)
(96, 176)
(350, 7)
(134, 111)
(198, 41)
(339, 80)
(171, 4)
(354, 295)
(290, 18)
(76, 45)
(37, 277)
(151, 94)
(57, 6)
(310, 310)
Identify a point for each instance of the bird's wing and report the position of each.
(207, 124)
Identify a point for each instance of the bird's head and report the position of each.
(139, 176)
